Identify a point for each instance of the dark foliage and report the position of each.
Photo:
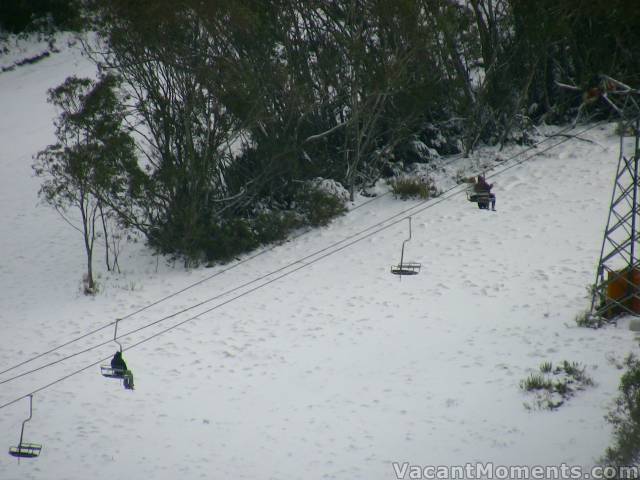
(17, 16)
(241, 103)
(318, 207)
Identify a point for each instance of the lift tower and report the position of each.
(617, 287)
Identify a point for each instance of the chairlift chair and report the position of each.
(125, 375)
(483, 199)
(406, 268)
(120, 373)
(26, 450)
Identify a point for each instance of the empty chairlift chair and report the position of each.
(406, 268)
(24, 449)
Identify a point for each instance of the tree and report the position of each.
(170, 68)
(237, 103)
(93, 162)
(17, 16)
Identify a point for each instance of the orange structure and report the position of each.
(623, 292)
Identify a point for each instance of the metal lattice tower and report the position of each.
(617, 287)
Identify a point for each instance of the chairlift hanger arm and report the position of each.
(115, 334)
(26, 450)
(410, 268)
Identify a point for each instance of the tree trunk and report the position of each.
(106, 238)
(90, 283)
(88, 230)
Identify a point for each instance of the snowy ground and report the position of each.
(334, 371)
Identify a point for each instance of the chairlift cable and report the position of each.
(218, 296)
(154, 303)
(424, 205)
(252, 281)
(199, 282)
(175, 314)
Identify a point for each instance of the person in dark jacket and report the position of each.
(118, 363)
(482, 187)
(120, 369)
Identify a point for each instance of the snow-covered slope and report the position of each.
(334, 371)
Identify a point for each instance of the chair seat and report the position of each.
(406, 269)
(26, 450)
(479, 196)
(107, 371)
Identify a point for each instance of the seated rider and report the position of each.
(483, 187)
(118, 363)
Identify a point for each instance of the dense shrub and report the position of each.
(314, 204)
(229, 239)
(318, 206)
(274, 226)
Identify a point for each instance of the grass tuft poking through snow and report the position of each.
(554, 386)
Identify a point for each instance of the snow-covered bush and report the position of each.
(463, 175)
(413, 186)
(330, 187)
(444, 136)
(415, 151)
(320, 200)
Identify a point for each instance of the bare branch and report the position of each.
(326, 133)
